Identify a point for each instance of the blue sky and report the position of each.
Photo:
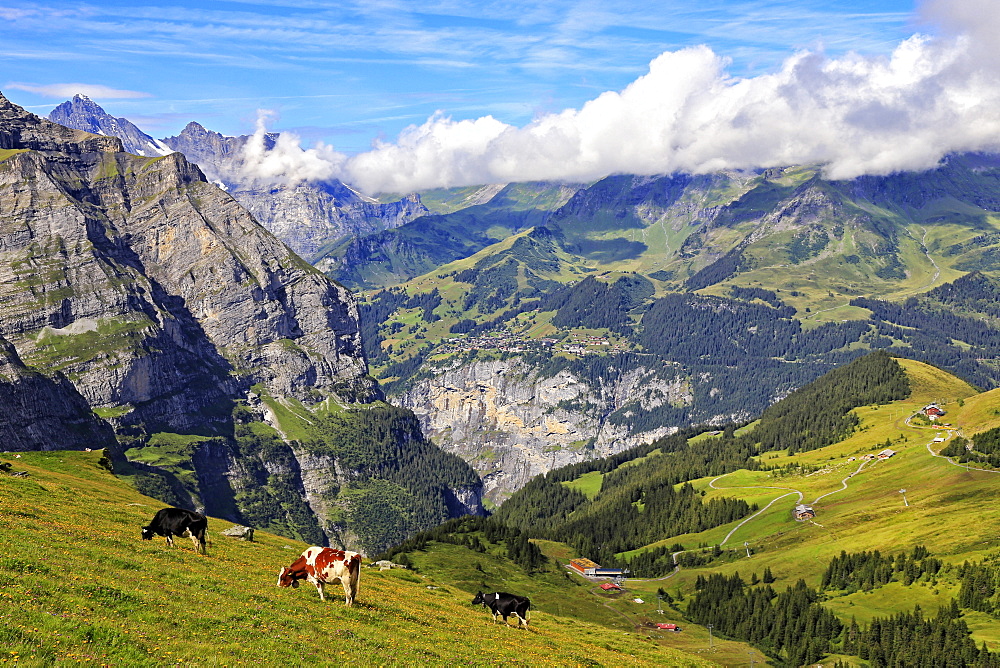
(392, 95)
(349, 72)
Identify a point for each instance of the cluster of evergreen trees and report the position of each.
(910, 639)
(983, 449)
(476, 533)
(794, 629)
(964, 310)
(616, 523)
(790, 627)
(980, 587)
(869, 570)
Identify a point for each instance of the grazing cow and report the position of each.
(172, 522)
(320, 565)
(505, 605)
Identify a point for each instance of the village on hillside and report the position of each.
(507, 342)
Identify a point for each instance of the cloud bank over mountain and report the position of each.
(854, 114)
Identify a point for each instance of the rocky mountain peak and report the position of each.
(82, 113)
(22, 129)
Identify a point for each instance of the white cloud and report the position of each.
(854, 114)
(287, 161)
(65, 90)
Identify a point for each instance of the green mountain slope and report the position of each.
(78, 585)
(397, 255)
(913, 501)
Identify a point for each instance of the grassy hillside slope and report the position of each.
(947, 508)
(78, 585)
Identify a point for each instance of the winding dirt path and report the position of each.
(791, 490)
(843, 483)
(949, 434)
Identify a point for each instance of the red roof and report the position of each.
(608, 585)
(668, 627)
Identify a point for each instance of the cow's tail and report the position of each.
(354, 568)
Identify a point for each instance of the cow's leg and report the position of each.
(520, 619)
(198, 546)
(170, 540)
(319, 588)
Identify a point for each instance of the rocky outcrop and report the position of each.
(45, 413)
(511, 423)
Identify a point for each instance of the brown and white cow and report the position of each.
(320, 565)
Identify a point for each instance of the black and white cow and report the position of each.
(505, 605)
(172, 522)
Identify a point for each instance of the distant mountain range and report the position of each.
(534, 325)
(308, 217)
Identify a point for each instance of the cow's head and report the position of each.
(147, 533)
(479, 599)
(286, 578)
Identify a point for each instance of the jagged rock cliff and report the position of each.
(44, 413)
(154, 291)
(511, 423)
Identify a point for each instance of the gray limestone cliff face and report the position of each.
(510, 423)
(309, 217)
(154, 292)
(322, 479)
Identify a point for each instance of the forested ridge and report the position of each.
(794, 629)
(479, 534)
(397, 481)
(818, 414)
